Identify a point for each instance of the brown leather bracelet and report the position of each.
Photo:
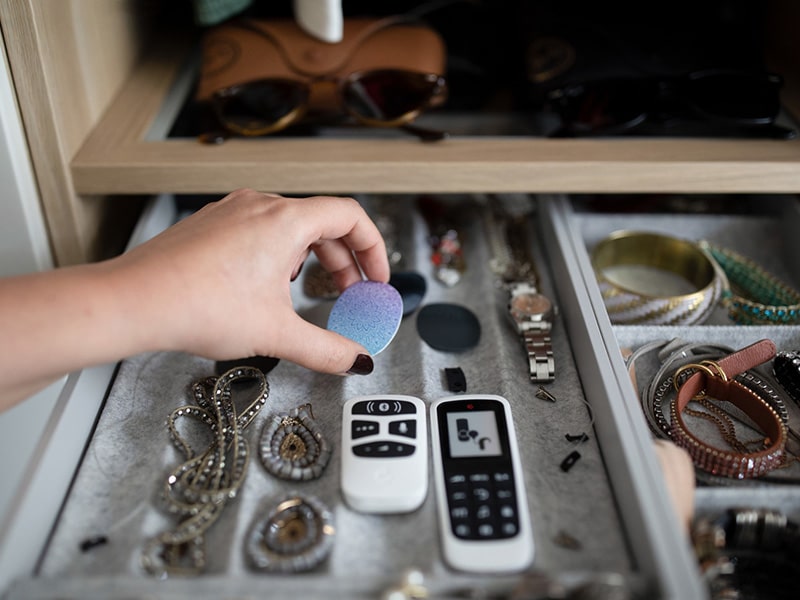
(714, 380)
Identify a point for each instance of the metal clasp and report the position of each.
(709, 367)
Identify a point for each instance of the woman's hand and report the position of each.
(221, 277)
(215, 284)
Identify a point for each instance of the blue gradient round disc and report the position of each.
(368, 312)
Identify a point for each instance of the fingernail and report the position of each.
(296, 274)
(362, 366)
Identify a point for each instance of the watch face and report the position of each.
(530, 305)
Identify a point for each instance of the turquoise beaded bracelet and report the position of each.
(755, 296)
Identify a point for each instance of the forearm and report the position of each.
(60, 321)
(216, 284)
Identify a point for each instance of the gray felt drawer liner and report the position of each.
(612, 502)
(114, 493)
(770, 239)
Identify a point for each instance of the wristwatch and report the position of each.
(530, 312)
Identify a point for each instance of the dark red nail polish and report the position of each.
(362, 366)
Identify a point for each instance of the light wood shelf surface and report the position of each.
(118, 158)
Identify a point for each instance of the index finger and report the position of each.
(345, 220)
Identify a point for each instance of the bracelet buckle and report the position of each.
(709, 367)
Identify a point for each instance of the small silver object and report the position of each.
(543, 394)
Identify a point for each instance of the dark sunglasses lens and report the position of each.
(389, 95)
(605, 106)
(738, 97)
(260, 105)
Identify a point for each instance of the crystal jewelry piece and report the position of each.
(786, 367)
(658, 395)
(716, 382)
(199, 488)
(293, 446)
(447, 253)
(296, 534)
(754, 296)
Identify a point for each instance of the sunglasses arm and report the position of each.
(423, 133)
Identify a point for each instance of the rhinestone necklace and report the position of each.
(198, 489)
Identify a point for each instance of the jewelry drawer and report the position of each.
(764, 231)
(606, 519)
(582, 517)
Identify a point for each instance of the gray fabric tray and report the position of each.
(114, 493)
(766, 238)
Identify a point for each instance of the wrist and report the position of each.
(138, 298)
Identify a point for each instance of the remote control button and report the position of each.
(384, 407)
(459, 513)
(503, 477)
(482, 505)
(481, 494)
(507, 494)
(459, 496)
(405, 428)
(507, 511)
(383, 450)
(359, 429)
(509, 529)
(483, 512)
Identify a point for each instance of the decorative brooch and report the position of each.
(296, 534)
(293, 447)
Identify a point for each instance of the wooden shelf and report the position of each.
(120, 157)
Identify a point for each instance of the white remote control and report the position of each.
(483, 512)
(384, 453)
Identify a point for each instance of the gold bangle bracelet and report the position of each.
(649, 278)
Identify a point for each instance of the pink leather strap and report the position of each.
(748, 357)
(706, 381)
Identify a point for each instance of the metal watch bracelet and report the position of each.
(539, 348)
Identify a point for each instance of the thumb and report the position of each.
(321, 350)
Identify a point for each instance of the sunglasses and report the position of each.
(377, 98)
(708, 102)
